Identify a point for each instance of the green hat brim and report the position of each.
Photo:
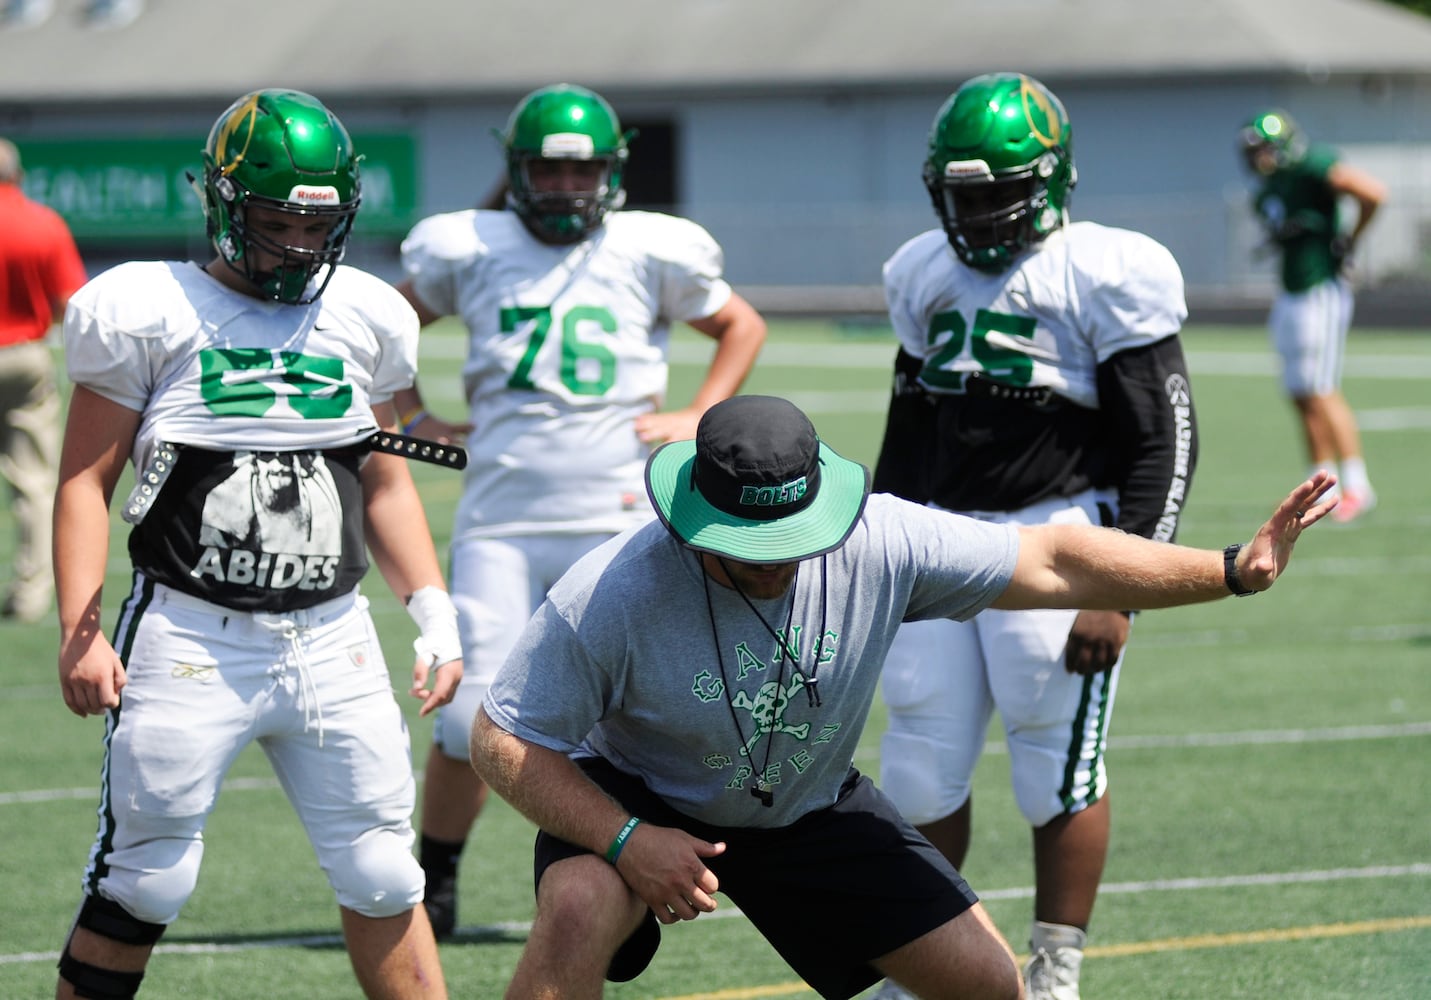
(820, 527)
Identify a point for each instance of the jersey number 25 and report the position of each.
(1002, 364)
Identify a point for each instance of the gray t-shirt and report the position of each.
(622, 659)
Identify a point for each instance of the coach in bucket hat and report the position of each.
(677, 734)
(756, 485)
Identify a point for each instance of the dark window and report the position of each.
(651, 174)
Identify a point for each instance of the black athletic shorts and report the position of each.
(831, 892)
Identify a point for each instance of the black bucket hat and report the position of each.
(756, 485)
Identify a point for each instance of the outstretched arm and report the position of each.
(1076, 566)
(739, 333)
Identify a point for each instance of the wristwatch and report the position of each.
(1229, 571)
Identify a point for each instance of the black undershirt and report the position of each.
(977, 452)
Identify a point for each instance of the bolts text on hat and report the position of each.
(770, 496)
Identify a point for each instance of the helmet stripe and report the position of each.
(245, 113)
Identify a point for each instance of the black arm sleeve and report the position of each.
(909, 435)
(1146, 399)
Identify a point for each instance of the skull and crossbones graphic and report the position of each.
(768, 710)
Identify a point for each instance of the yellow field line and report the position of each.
(1260, 937)
(1388, 925)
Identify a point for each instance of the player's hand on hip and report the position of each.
(444, 677)
(663, 866)
(1095, 641)
(91, 676)
(432, 428)
(1264, 558)
(667, 425)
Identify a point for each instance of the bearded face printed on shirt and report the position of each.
(277, 480)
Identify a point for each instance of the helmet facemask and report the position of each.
(290, 276)
(551, 131)
(1000, 168)
(563, 214)
(991, 218)
(280, 155)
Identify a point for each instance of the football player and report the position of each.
(245, 390)
(1299, 187)
(568, 305)
(1039, 379)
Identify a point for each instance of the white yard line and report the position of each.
(727, 912)
(1257, 737)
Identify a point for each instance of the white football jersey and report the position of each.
(217, 369)
(567, 345)
(1072, 301)
(257, 404)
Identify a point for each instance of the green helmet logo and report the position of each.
(568, 123)
(1000, 167)
(284, 152)
(1271, 141)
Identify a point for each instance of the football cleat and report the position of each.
(1052, 972)
(1053, 975)
(1354, 504)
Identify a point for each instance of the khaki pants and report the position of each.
(29, 461)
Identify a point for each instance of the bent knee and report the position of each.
(964, 958)
(583, 897)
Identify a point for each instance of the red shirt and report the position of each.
(39, 266)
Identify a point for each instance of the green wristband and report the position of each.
(614, 851)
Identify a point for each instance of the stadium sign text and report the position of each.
(125, 189)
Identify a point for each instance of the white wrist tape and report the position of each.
(436, 618)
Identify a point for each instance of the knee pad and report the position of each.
(916, 774)
(378, 876)
(154, 883)
(1048, 785)
(94, 983)
(1058, 762)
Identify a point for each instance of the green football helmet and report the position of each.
(1000, 168)
(279, 149)
(564, 122)
(1271, 141)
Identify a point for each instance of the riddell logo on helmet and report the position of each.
(772, 496)
(967, 170)
(305, 195)
(568, 145)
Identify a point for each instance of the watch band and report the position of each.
(1229, 571)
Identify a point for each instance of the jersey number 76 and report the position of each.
(587, 367)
